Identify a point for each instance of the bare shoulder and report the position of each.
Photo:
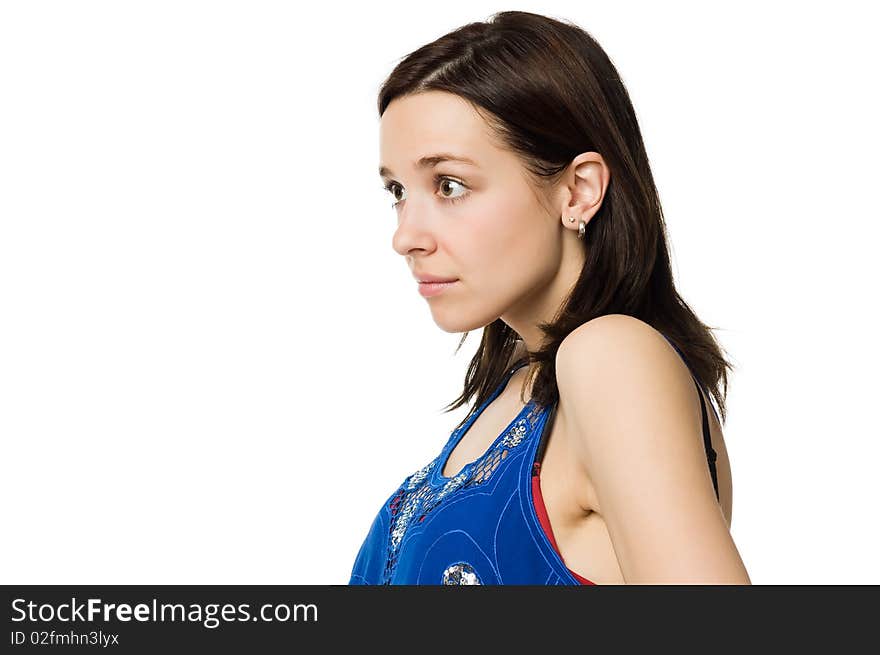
(630, 406)
(617, 370)
(612, 335)
(619, 362)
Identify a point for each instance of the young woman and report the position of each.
(526, 206)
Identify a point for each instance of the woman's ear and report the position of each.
(585, 183)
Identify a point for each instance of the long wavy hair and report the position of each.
(549, 92)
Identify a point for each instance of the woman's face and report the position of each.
(479, 223)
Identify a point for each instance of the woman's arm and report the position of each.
(631, 403)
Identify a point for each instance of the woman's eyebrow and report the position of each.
(429, 161)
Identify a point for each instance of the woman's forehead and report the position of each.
(420, 130)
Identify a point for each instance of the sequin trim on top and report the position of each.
(460, 574)
(422, 492)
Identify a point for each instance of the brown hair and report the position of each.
(549, 92)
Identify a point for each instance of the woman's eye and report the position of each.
(391, 187)
(444, 184)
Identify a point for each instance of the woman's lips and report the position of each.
(428, 289)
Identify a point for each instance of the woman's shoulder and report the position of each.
(620, 361)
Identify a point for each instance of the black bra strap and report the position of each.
(545, 435)
(711, 455)
(707, 440)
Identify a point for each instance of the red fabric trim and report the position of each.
(541, 511)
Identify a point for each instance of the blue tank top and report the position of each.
(479, 526)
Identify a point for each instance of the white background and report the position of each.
(213, 366)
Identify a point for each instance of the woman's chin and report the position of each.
(455, 320)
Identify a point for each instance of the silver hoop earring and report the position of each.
(582, 229)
